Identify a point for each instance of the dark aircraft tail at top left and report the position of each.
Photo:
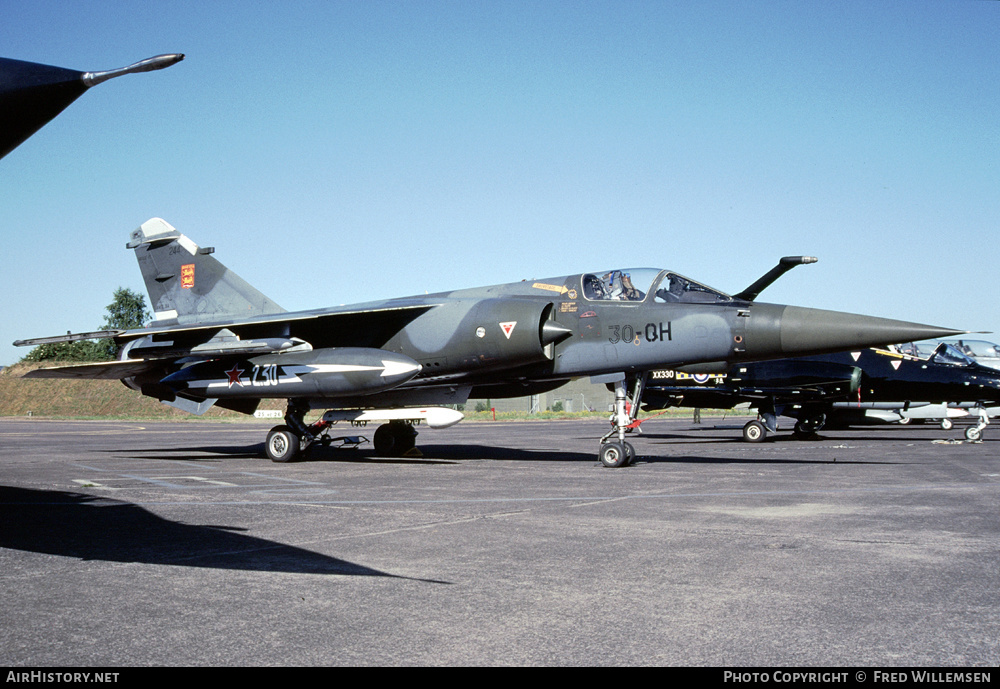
(31, 94)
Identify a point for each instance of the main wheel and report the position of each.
(613, 455)
(754, 432)
(282, 444)
(946, 424)
(805, 429)
(973, 433)
(394, 439)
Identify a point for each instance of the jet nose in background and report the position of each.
(775, 330)
(31, 94)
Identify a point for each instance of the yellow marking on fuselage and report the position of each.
(561, 289)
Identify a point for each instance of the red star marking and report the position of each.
(234, 375)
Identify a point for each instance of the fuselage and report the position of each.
(507, 340)
(858, 377)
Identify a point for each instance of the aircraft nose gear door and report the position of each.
(618, 452)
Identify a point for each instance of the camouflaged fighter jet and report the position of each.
(32, 94)
(216, 340)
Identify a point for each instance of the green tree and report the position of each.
(81, 350)
(127, 311)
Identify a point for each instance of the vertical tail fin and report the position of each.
(185, 284)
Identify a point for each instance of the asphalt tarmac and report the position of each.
(148, 543)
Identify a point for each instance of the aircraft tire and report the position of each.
(946, 424)
(282, 444)
(754, 432)
(804, 430)
(613, 455)
(384, 441)
(629, 454)
(905, 421)
(394, 439)
(973, 433)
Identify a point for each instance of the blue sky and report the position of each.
(335, 152)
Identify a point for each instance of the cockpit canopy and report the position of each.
(635, 284)
(936, 352)
(977, 349)
(947, 354)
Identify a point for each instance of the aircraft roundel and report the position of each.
(701, 377)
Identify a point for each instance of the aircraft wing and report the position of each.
(814, 392)
(377, 322)
(157, 346)
(104, 370)
(664, 396)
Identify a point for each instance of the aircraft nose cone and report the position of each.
(776, 330)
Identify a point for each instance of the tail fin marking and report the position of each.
(185, 284)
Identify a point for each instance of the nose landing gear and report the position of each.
(616, 452)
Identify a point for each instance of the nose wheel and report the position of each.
(615, 451)
(616, 454)
(975, 433)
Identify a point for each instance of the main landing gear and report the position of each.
(756, 431)
(394, 439)
(288, 442)
(282, 444)
(807, 428)
(615, 451)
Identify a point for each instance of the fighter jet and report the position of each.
(216, 340)
(31, 94)
(836, 390)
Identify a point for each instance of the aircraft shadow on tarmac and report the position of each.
(449, 454)
(97, 528)
(648, 451)
(784, 436)
(428, 454)
(755, 461)
(222, 453)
